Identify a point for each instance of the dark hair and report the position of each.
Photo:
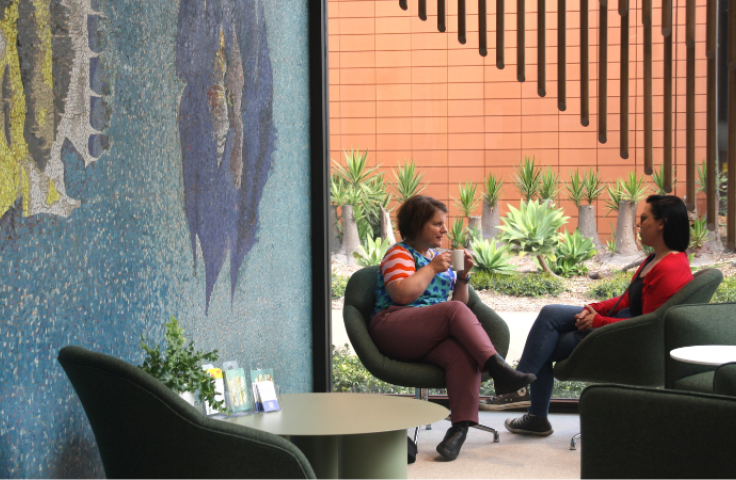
(672, 210)
(415, 213)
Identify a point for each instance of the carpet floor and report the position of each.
(515, 456)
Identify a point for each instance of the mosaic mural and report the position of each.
(226, 127)
(48, 70)
(140, 141)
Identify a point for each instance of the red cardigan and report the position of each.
(660, 283)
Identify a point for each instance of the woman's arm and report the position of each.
(406, 290)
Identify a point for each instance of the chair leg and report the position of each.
(486, 428)
(574, 442)
(422, 394)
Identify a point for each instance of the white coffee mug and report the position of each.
(458, 260)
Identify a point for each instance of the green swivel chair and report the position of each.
(686, 325)
(360, 299)
(632, 352)
(144, 430)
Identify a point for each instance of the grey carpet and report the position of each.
(515, 456)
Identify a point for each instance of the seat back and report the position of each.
(686, 325)
(360, 299)
(632, 352)
(636, 432)
(144, 430)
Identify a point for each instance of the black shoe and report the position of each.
(517, 399)
(452, 443)
(506, 379)
(529, 425)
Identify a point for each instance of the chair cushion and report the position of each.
(701, 382)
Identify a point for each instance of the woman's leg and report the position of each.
(552, 337)
(462, 377)
(411, 333)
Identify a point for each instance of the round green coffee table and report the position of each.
(348, 435)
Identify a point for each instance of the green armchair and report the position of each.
(360, 299)
(686, 325)
(633, 352)
(641, 432)
(144, 430)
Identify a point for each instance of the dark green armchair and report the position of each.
(686, 325)
(144, 430)
(360, 299)
(641, 432)
(632, 352)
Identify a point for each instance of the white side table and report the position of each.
(705, 354)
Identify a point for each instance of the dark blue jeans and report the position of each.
(552, 337)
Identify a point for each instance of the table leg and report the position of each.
(322, 453)
(374, 455)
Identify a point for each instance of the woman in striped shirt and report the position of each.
(414, 321)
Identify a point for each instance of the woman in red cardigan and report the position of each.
(664, 226)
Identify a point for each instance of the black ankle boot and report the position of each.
(505, 378)
(450, 446)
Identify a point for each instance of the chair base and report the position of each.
(574, 442)
(423, 394)
(488, 429)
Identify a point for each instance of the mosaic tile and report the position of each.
(95, 236)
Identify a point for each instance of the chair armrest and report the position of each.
(686, 325)
(405, 374)
(629, 352)
(638, 432)
(724, 381)
(495, 326)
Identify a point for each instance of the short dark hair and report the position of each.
(414, 213)
(672, 210)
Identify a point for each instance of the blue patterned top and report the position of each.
(437, 291)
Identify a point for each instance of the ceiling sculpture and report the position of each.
(667, 34)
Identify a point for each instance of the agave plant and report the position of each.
(615, 196)
(468, 201)
(408, 181)
(528, 178)
(593, 186)
(473, 234)
(702, 183)
(371, 252)
(491, 258)
(549, 186)
(364, 189)
(456, 234)
(532, 228)
(572, 250)
(633, 188)
(658, 179)
(698, 233)
(575, 189)
(494, 187)
(338, 190)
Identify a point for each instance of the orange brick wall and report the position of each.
(403, 90)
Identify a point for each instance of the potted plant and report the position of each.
(468, 203)
(490, 220)
(179, 366)
(589, 188)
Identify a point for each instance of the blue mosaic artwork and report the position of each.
(154, 161)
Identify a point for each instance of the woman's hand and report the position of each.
(469, 263)
(441, 262)
(584, 319)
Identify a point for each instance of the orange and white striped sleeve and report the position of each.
(397, 264)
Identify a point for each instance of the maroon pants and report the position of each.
(448, 335)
